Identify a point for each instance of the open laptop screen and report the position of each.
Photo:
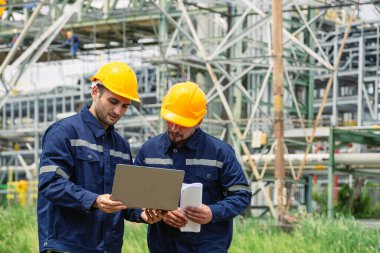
(147, 187)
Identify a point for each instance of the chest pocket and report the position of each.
(206, 173)
(87, 155)
(88, 169)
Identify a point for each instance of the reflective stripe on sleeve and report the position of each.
(206, 162)
(120, 154)
(158, 161)
(239, 188)
(56, 169)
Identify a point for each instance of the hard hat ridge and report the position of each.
(184, 104)
(119, 78)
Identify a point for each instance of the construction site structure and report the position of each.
(226, 46)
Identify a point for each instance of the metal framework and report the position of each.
(339, 136)
(226, 47)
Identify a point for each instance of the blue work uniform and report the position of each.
(77, 165)
(74, 44)
(213, 163)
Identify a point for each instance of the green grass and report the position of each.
(18, 233)
(135, 238)
(18, 230)
(342, 235)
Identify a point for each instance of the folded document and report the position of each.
(191, 195)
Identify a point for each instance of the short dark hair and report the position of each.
(101, 88)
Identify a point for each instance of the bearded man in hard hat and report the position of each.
(77, 166)
(205, 159)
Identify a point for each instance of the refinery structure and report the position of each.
(330, 83)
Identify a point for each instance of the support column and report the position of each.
(162, 75)
(54, 10)
(376, 91)
(330, 193)
(360, 82)
(376, 107)
(335, 88)
(106, 8)
(311, 84)
(26, 12)
(309, 193)
(236, 52)
(278, 104)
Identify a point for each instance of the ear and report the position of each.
(95, 92)
(199, 124)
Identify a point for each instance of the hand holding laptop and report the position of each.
(107, 205)
(152, 216)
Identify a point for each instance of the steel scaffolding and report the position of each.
(225, 46)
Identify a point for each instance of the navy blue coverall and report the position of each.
(77, 164)
(213, 163)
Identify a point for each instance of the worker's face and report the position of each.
(178, 134)
(108, 107)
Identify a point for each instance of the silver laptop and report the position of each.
(146, 187)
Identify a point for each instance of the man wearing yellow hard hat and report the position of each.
(77, 166)
(206, 160)
(72, 40)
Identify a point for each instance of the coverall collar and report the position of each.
(93, 123)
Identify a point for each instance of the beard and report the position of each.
(176, 139)
(104, 117)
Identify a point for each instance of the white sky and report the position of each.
(47, 75)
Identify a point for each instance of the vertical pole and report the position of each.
(335, 88)
(360, 81)
(310, 91)
(53, 11)
(330, 198)
(236, 52)
(162, 76)
(376, 105)
(26, 12)
(278, 104)
(309, 194)
(336, 181)
(80, 13)
(106, 8)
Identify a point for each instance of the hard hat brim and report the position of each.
(178, 120)
(93, 78)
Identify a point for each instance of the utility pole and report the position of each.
(278, 104)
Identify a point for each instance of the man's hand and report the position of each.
(107, 205)
(151, 216)
(175, 219)
(200, 215)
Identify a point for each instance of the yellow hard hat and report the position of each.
(119, 78)
(69, 34)
(2, 8)
(184, 104)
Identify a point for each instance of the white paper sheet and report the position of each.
(191, 195)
